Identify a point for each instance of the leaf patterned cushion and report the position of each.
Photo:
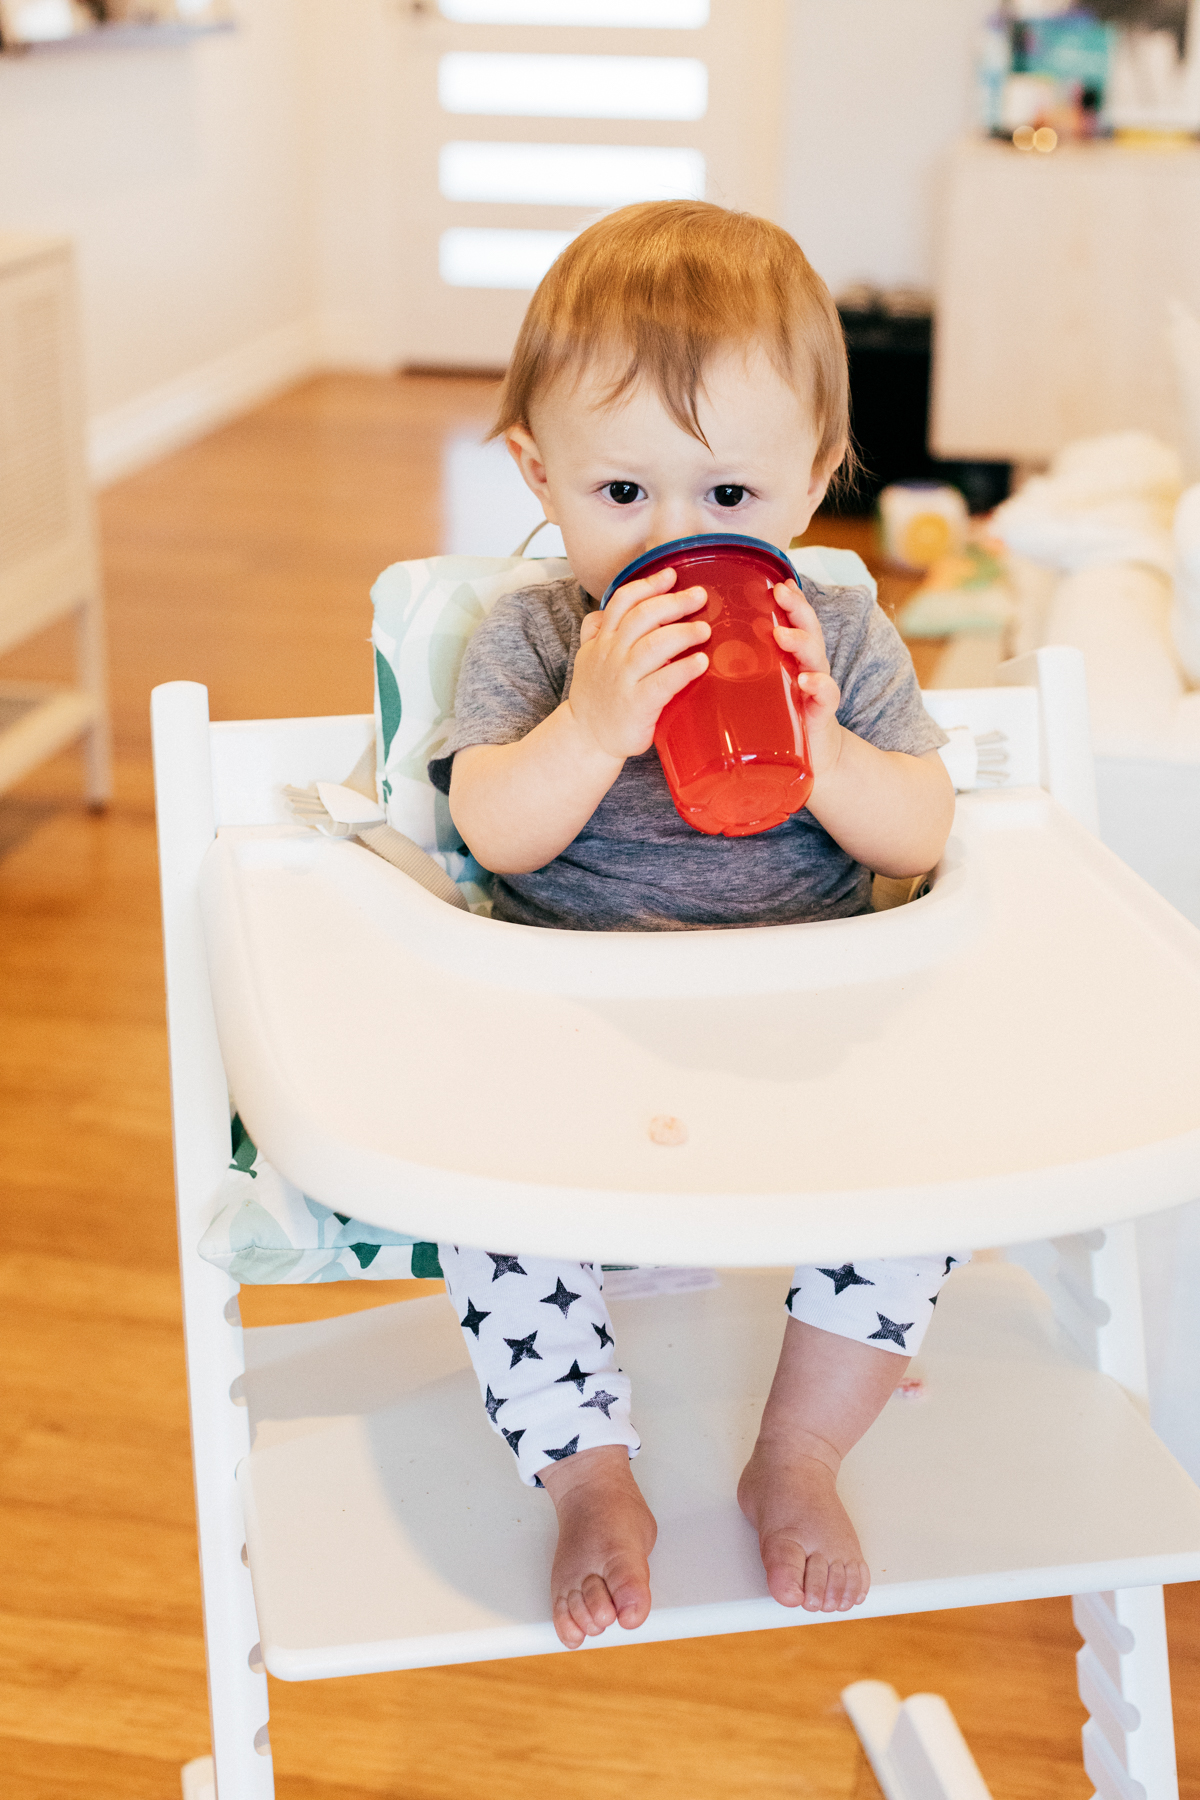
(266, 1230)
(424, 614)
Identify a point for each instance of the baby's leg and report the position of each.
(846, 1345)
(540, 1338)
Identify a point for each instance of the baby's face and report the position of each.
(619, 479)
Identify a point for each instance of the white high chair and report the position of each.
(1015, 1056)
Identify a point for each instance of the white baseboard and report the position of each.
(358, 340)
(179, 411)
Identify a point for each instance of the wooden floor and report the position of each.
(244, 562)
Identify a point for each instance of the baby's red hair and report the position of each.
(655, 290)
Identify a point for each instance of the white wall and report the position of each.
(357, 50)
(183, 175)
(238, 204)
(877, 92)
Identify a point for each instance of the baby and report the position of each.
(681, 369)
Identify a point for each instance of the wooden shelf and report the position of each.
(122, 37)
(37, 719)
(49, 569)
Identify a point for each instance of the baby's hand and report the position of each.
(822, 696)
(624, 674)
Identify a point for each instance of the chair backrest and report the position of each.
(1038, 720)
(254, 759)
(1036, 723)
(1033, 726)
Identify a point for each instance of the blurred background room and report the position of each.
(261, 265)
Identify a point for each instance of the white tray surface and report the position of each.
(386, 1527)
(1016, 1055)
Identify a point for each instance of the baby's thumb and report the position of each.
(589, 628)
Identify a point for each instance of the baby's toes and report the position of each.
(839, 1589)
(630, 1592)
(816, 1580)
(785, 1563)
(597, 1611)
(569, 1632)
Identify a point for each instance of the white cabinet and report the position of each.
(48, 562)
(1053, 283)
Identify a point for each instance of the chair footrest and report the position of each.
(386, 1528)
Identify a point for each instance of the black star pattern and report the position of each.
(845, 1277)
(474, 1318)
(493, 1405)
(505, 1265)
(889, 1330)
(575, 1374)
(562, 1297)
(949, 1261)
(513, 1438)
(933, 1299)
(566, 1450)
(602, 1401)
(522, 1348)
(604, 1334)
(792, 1292)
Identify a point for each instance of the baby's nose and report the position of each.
(686, 522)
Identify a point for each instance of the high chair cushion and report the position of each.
(424, 614)
(264, 1230)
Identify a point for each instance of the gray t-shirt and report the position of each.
(636, 865)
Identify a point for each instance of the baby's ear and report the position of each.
(520, 444)
(823, 473)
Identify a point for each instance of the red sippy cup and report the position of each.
(732, 745)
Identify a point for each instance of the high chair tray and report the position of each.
(1013, 1056)
(386, 1529)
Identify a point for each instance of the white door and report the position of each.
(524, 119)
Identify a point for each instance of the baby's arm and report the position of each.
(889, 811)
(518, 805)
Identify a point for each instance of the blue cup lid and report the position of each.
(704, 540)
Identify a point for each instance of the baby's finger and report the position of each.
(646, 616)
(820, 691)
(657, 647)
(808, 647)
(665, 683)
(634, 591)
(789, 597)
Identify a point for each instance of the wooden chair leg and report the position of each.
(92, 664)
(1125, 1684)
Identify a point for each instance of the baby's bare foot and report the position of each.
(606, 1532)
(809, 1548)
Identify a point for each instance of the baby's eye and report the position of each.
(623, 492)
(729, 496)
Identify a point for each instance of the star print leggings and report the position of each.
(542, 1344)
